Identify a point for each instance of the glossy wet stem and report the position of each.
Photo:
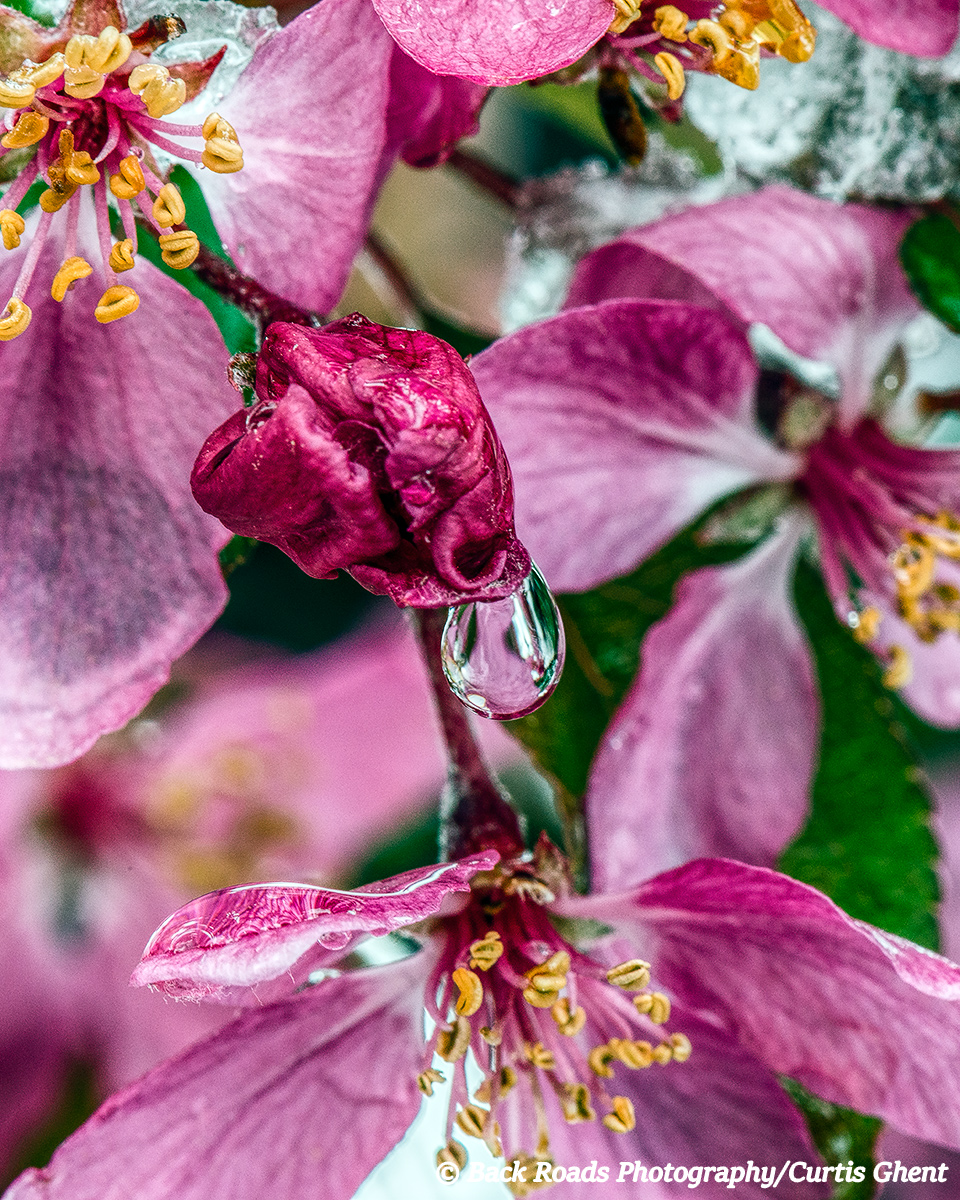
(475, 814)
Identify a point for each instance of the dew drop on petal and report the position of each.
(503, 658)
(335, 940)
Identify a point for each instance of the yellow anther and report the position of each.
(74, 53)
(16, 317)
(713, 36)
(452, 1044)
(116, 302)
(547, 979)
(128, 181)
(83, 83)
(914, 566)
(507, 1080)
(569, 1023)
(72, 269)
(682, 1048)
(81, 169)
(144, 74)
(663, 1053)
(599, 1059)
(654, 1005)
(493, 1037)
(787, 31)
(222, 155)
(631, 976)
(576, 1104)
(53, 199)
(209, 129)
(179, 250)
(539, 1056)
(670, 22)
(471, 989)
(671, 69)
(540, 999)
(900, 671)
(121, 256)
(169, 208)
(742, 67)
(14, 94)
(11, 226)
(866, 625)
(622, 1119)
(452, 1153)
(164, 96)
(426, 1080)
(632, 1054)
(736, 23)
(30, 128)
(627, 13)
(42, 74)
(485, 952)
(472, 1120)
(100, 50)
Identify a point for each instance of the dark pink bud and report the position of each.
(369, 450)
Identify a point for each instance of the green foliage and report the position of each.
(867, 843)
(841, 1135)
(930, 253)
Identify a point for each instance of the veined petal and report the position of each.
(244, 936)
(824, 277)
(110, 569)
(926, 28)
(934, 687)
(713, 750)
(634, 415)
(496, 41)
(309, 114)
(859, 1016)
(298, 1099)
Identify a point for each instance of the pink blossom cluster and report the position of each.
(741, 366)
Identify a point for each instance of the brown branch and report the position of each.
(495, 183)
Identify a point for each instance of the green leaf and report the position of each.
(604, 630)
(465, 341)
(867, 844)
(930, 253)
(841, 1135)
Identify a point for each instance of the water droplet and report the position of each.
(335, 940)
(503, 658)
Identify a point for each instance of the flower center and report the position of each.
(545, 1023)
(92, 111)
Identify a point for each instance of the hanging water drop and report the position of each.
(503, 658)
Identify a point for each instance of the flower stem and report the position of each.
(495, 183)
(475, 813)
(396, 278)
(262, 306)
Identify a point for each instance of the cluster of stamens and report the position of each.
(930, 606)
(728, 43)
(92, 110)
(540, 1016)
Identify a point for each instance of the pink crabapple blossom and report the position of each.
(583, 1049)
(637, 414)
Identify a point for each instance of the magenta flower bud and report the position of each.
(369, 450)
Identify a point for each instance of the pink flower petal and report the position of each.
(496, 41)
(110, 568)
(309, 113)
(244, 936)
(927, 28)
(824, 277)
(429, 113)
(634, 416)
(712, 752)
(859, 1016)
(300, 1099)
